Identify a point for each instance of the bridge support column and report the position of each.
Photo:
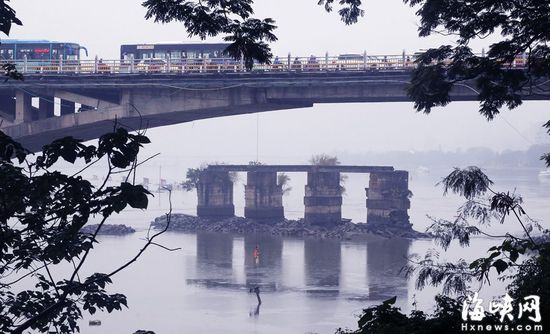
(263, 197)
(215, 195)
(323, 199)
(23, 107)
(67, 107)
(7, 107)
(126, 101)
(388, 200)
(46, 107)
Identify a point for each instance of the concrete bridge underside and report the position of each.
(138, 101)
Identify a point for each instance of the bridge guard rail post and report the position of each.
(288, 62)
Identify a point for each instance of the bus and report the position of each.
(39, 50)
(173, 51)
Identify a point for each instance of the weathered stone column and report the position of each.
(46, 107)
(388, 200)
(67, 107)
(263, 196)
(215, 195)
(23, 107)
(323, 199)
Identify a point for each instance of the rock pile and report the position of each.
(346, 230)
(108, 229)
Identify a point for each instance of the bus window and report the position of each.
(160, 54)
(22, 53)
(129, 56)
(146, 55)
(175, 54)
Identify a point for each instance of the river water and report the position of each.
(307, 286)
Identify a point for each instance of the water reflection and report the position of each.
(214, 264)
(385, 259)
(262, 260)
(322, 266)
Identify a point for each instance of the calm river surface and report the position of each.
(308, 286)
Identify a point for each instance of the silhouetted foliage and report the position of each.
(388, 319)
(41, 213)
(523, 260)
(7, 19)
(192, 178)
(249, 36)
(523, 26)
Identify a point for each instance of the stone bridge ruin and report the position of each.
(387, 194)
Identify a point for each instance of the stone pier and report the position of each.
(215, 195)
(323, 198)
(263, 196)
(388, 200)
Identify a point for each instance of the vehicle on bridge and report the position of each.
(40, 55)
(176, 57)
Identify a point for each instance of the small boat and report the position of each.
(94, 323)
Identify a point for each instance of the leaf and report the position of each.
(500, 265)
(514, 254)
(390, 301)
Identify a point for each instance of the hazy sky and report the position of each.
(389, 27)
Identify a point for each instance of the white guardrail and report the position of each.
(351, 62)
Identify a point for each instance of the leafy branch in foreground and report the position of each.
(522, 260)
(523, 26)
(233, 19)
(483, 206)
(41, 213)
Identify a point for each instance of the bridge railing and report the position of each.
(346, 62)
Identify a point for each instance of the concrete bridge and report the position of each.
(29, 113)
(387, 195)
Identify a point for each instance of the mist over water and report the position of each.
(307, 285)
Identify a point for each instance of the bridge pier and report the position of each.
(23, 107)
(388, 200)
(7, 106)
(67, 107)
(46, 107)
(263, 196)
(215, 195)
(323, 199)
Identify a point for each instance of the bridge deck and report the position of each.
(299, 168)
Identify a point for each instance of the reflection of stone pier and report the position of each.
(215, 195)
(323, 198)
(263, 197)
(387, 204)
